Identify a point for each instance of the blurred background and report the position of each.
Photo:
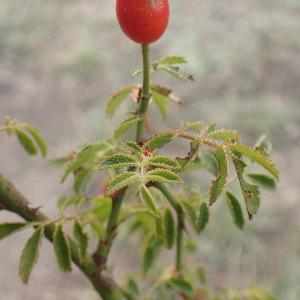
(59, 62)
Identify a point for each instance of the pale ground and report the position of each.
(60, 60)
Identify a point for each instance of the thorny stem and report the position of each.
(13, 201)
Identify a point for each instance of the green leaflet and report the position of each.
(30, 254)
(38, 139)
(67, 201)
(218, 185)
(161, 101)
(62, 249)
(162, 175)
(235, 210)
(171, 60)
(159, 141)
(82, 180)
(169, 229)
(191, 213)
(203, 217)
(81, 239)
(148, 200)
(7, 229)
(150, 254)
(118, 98)
(123, 180)
(125, 125)
(250, 192)
(171, 65)
(201, 274)
(263, 180)
(182, 284)
(208, 159)
(159, 227)
(134, 147)
(258, 156)
(118, 161)
(162, 161)
(88, 154)
(101, 207)
(132, 286)
(194, 126)
(258, 293)
(175, 72)
(209, 129)
(224, 134)
(26, 142)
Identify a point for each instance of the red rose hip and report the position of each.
(143, 21)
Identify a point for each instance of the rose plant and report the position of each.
(144, 192)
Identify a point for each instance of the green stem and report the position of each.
(146, 95)
(102, 252)
(180, 222)
(179, 241)
(103, 249)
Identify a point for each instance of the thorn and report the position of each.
(35, 210)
